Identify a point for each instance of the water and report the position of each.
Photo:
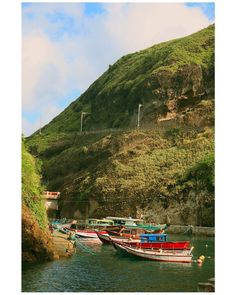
(108, 271)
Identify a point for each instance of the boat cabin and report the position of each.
(150, 238)
(91, 223)
(104, 222)
(125, 221)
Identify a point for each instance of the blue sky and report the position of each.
(207, 8)
(66, 46)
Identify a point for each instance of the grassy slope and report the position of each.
(136, 78)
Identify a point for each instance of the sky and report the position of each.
(67, 46)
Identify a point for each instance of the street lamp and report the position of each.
(40, 125)
(139, 106)
(81, 120)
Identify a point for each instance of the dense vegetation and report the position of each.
(166, 166)
(32, 190)
(36, 244)
(125, 172)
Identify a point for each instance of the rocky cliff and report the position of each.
(36, 243)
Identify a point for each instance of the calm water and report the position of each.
(108, 271)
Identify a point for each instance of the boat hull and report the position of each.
(184, 256)
(107, 239)
(83, 233)
(160, 245)
(104, 238)
(175, 245)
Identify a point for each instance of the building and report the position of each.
(51, 203)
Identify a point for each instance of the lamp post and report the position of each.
(139, 106)
(81, 120)
(40, 126)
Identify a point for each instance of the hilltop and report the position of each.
(170, 79)
(166, 166)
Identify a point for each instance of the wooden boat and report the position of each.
(107, 239)
(183, 256)
(126, 221)
(146, 241)
(135, 231)
(88, 233)
(126, 232)
(88, 230)
(159, 241)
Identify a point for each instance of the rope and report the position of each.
(85, 248)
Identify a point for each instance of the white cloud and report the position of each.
(138, 26)
(43, 71)
(71, 51)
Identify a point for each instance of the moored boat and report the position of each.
(88, 229)
(183, 256)
(107, 239)
(159, 241)
(126, 221)
(135, 231)
(88, 233)
(147, 241)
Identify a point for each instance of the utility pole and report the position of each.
(139, 106)
(81, 120)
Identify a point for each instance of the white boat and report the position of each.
(183, 256)
(86, 234)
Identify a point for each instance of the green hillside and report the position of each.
(167, 78)
(155, 170)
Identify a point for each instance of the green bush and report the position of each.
(32, 190)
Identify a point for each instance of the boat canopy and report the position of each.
(147, 228)
(153, 238)
(124, 220)
(93, 221)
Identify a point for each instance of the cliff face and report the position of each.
(132, 173)
(36, 241)
(143, 171)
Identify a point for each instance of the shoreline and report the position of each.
(62, 246)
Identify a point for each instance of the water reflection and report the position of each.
(106, 271)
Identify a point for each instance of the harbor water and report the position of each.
(100, 268)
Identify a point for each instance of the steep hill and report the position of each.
(170, 80)
(156, 170)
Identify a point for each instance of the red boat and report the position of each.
(147, 241)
